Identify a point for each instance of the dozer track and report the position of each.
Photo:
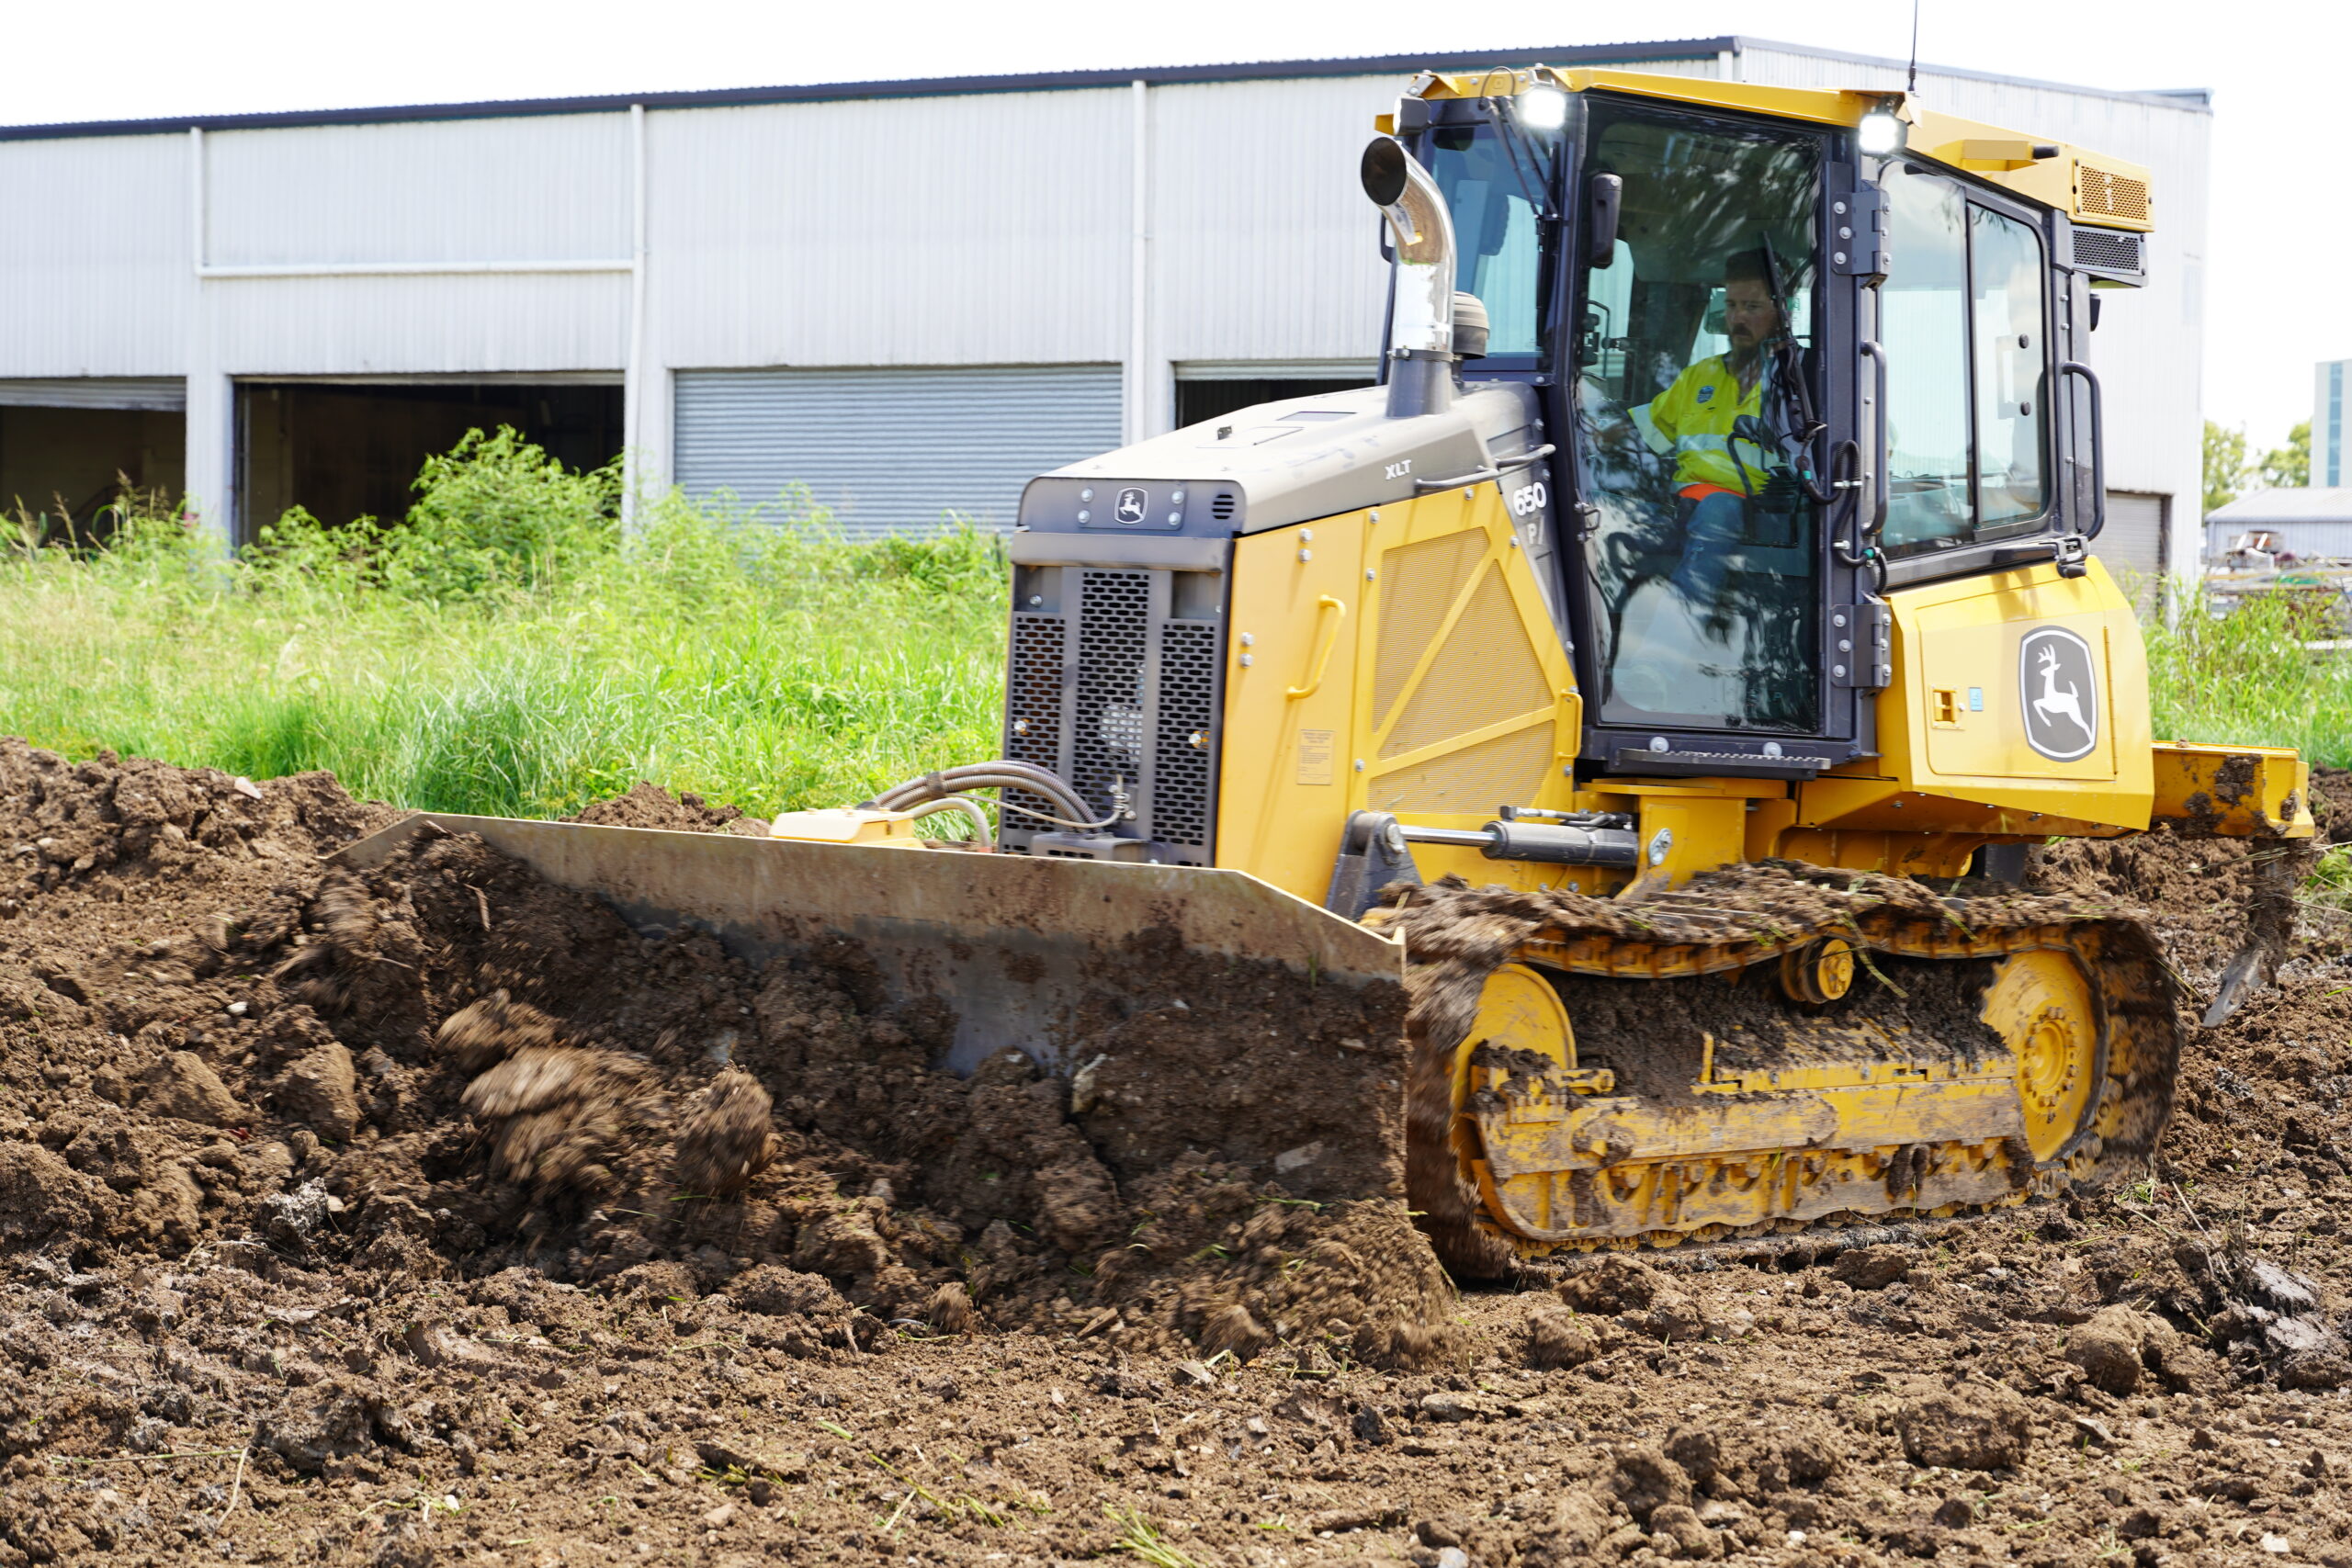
(1772, 1047)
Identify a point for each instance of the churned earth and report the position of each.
(429, 1215)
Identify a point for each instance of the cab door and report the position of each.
(1715, 620)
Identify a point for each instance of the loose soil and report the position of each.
(430, 1215)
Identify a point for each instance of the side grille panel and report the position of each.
(1033, 704)
(1180, 776)
(1110, 690)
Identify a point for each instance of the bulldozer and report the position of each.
(1649, 691)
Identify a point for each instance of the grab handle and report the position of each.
(1881, 488)
(1323, 655)
(2099, 444)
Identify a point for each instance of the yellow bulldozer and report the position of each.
(1657, 679)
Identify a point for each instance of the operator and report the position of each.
(1716, 472)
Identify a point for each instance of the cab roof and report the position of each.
(2088, 186)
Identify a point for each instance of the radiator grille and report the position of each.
(2107, 251)
(2107, 195)
(1179, 784)
(1033, 705)
(1106, 686)
(1108, 730)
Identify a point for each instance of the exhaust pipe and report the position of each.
(1421, 331)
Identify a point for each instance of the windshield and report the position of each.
(1488, 179)
(1692, 355)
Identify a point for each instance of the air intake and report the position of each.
(1224, 506)
(2106, 250)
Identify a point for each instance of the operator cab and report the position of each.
(1790, 372)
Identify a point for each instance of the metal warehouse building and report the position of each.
(907, 296)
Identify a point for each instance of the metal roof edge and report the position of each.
(915, 87)
(2189, 100)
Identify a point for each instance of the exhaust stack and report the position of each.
(1421, 332)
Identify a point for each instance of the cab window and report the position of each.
(1491, 181)
(1962, 319)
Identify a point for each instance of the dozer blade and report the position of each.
(1201, 1009)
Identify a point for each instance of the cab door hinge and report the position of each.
(1861, 646)
(1857, 232)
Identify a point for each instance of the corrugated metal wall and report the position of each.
(888, 450)
(95, 278)
(987, 230)
(540, 187)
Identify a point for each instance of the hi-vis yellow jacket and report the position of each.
(1696, 414)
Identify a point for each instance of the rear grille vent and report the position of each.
(1107, 732)
(1222, 508)
(2101, 193)
(2104, 250)
(1109, 689)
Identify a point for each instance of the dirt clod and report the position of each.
(1976, 1426)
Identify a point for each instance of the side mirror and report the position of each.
(1604, 196)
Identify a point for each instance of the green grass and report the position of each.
(758, 662)
(503, 651)
(2248, 680)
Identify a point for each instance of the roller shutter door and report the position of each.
(891, 451)
(158, 392)
(2132, 543)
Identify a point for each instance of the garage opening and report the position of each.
(72, 450)
(1206, 391)
(342, 450)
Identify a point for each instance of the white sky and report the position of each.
(2280, 224)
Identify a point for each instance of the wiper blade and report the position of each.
(1515, 142)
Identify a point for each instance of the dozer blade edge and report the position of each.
(1196, 1008)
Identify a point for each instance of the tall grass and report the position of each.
(502, 652)
(2249, 679)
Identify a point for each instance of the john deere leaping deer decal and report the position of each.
(2058, 692)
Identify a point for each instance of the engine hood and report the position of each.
(1287, 462)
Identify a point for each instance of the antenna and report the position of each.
(1912, 85)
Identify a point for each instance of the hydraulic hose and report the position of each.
(982, 829)
(1004, 773)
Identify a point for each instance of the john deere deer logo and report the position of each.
(2058, 688)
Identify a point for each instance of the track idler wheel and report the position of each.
(1821, 971)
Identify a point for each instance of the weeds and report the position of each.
(1140, 1539)
(504, 652)
(2249, 679)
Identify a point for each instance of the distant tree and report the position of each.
(2289, 467)
(2225, 464)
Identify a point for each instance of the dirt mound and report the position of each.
(649, 805)
(472, 1069)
